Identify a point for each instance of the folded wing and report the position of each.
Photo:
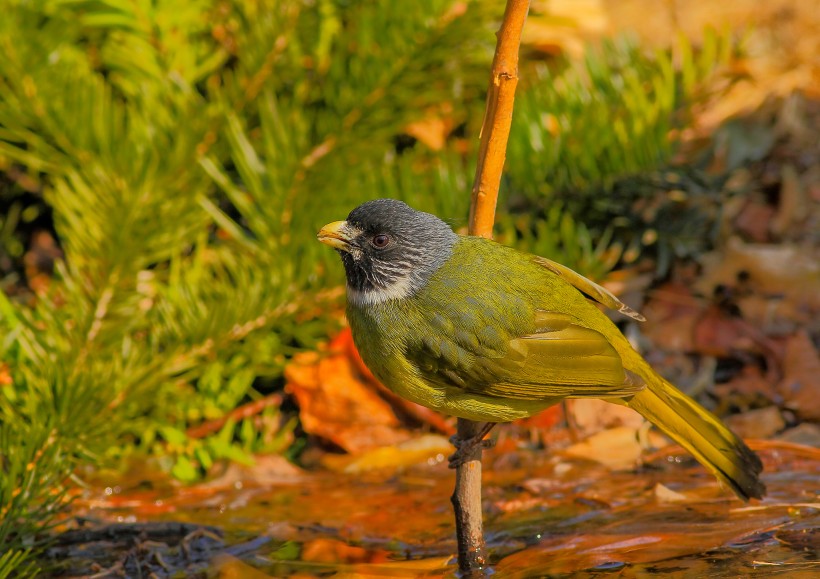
(560, 359)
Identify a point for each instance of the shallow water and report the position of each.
(544, 517)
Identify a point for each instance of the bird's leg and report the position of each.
(465, 447)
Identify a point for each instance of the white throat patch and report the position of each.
(401, 288)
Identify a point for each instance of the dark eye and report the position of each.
(381, 240)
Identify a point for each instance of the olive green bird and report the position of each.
(472, 328)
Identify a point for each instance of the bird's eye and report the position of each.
(381, 240)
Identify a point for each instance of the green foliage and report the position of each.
(324, 123)
(557, 235)
(190, 151)
(577, 131)
(183, 161)
(587, 140)
(17, 564)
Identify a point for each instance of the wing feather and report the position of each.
(560, 359)
(600, 294)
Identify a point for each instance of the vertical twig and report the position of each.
(466, 501)
(495, 131)
(497, 119)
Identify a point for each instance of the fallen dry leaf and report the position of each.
(800, 386)
(759, 423)
(434, 568)
(334, 404)
(793, 205)
(344, 342)
(746, 387)
(806, 434)
(800, 538)
(590, 416)
(618, 448)
(431, 131)
(266, 470)
(230, 567)
(721, 332)
(666, 495)
(788, 271)
(754, 220)
(544, 420)
(334, 551)
(671, 313)
(428, 448)
(773, 315)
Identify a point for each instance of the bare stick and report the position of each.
(466, 501)
(497, 119)
(495, 131)
(237, 414)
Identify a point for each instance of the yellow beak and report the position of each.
(337, 235)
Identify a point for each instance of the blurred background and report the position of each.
(167, 318)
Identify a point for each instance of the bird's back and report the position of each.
(519, 277)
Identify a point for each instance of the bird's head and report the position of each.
(389, 249)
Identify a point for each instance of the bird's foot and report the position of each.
(465, 447)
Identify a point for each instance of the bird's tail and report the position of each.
(701, 433)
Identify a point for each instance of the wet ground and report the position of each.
(545, 517)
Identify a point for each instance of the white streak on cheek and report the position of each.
(401, 288)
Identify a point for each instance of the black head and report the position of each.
(389, 249)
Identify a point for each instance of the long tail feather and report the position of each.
(701, 433)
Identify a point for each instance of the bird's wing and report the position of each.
(560, 359)
(600, 294)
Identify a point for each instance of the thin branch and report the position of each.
(466, 501)
(497, 119)
(237, 415)
(495, 131)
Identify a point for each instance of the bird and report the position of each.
(475, 329)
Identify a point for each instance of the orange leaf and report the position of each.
(334, 551)
(230, 567)
(337, 406)
(344, 341)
